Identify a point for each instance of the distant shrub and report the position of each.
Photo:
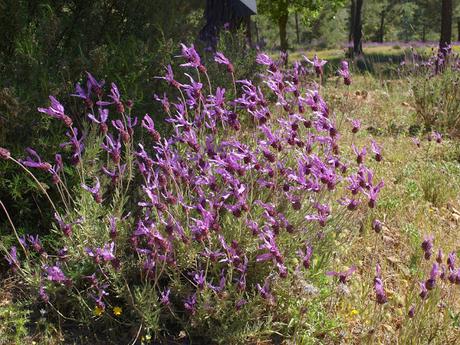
(435, 87)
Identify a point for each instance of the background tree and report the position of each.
(356, 27)
(446, 24)
(278, 12)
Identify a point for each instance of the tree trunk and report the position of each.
(352, 25)
(446, 25)
(458, 29)
(382, 26)
(297, 28)
(357, 29)
(282, 23)
(247, 21)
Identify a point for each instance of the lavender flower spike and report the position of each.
(56, 110)
(221, 59)
(95, 191)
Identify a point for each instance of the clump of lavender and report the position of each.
(217, 212)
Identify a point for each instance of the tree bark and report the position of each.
(357, 29)
(282, 23)
(297, 28)
(446, 25)
(382, 26)
(458, 29)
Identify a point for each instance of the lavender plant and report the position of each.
(205, 229)
(434, 85)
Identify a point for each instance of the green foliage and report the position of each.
(13, 321)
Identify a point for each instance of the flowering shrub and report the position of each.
(205, 230)
(434, 85)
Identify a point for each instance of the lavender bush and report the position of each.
(434, 84)
(211, 230)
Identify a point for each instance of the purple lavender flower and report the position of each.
(427, 246)
(344, 72)
(411, 312)
(113, 148)
(359, 154)
(436, 136)
(169, 77)
(423, 291)
(35, 243)
(55, 274)
(306, 257)
(34, 161)
(377, 225)
(12, 258)
(378, 287)
(116, 99)
(164, 297)
(377, 151)
(451, 260)
(317, 64)
(416, 141)
(264, 59)
(356, 125)
(431, 282)
(95, 85)
(75, 143)
(85, 95)
(66, 228)
(148, 124)
(190, 304)
(101, 121)
(56, 110)
(440, 256)
(221, 59)
(4, 153)
(265, 291)
(192, 57)
(343, 276)
(95, 190)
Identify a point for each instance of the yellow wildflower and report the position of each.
(354, 312)
(98, 311)
(117, 311)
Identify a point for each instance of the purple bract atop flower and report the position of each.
(169, 77)
(427, 246)
(344, 72)
(378, 286)
(265, 290)
(55, 274)
(12, 258)
(377, 151)
(431, 282)
(356, 125)
(451, 260)
(306, 257)
(103, 116)
(221, 59)
(164, 299)
(317, 63)
(148, 124)
(264, 59)
(192, 57)
(436, 136)
(116, 99)
(411, 312)
(343, 276)
(95, 190)
(56, 110)
(34, 161)
(95, 85)
(359, 154)
(377, 225)
(423, 290)
(4, 153)
(416, 141)
(190, 304)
